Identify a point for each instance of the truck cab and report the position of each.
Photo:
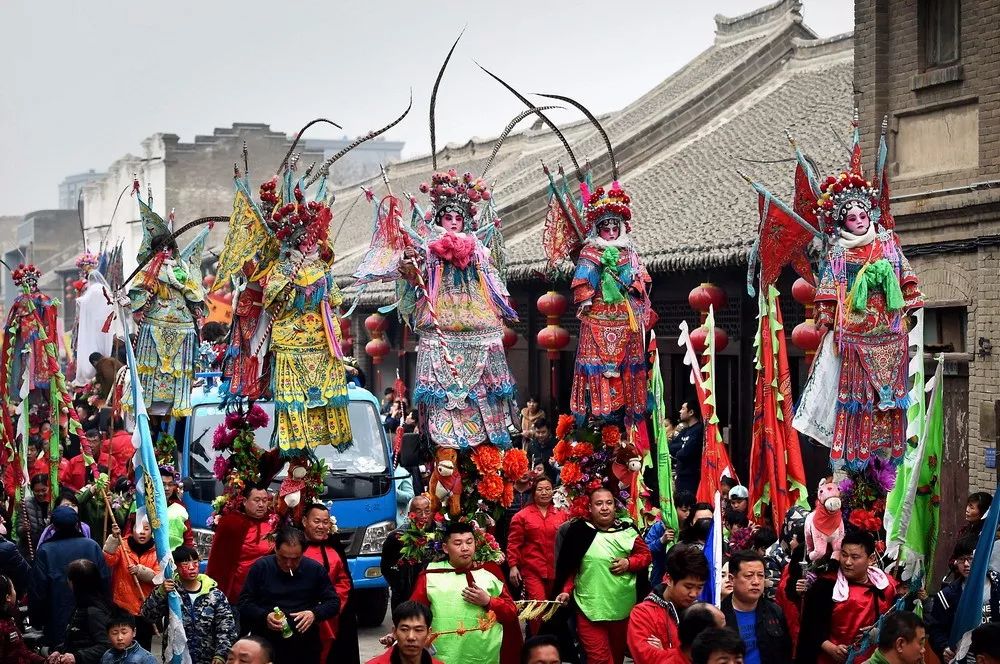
(360, 491)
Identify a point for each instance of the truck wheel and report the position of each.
(370, 606)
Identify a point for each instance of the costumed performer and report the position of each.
(866, 289)
(167, 304)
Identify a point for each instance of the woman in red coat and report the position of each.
(531, 544)
(338, 635)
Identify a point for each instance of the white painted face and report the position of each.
(609, 230)
(856, 220)
(453, 221)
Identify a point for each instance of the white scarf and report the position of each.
(851, 241)
(623, 241)
(841, 588)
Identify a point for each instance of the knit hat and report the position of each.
(65, 518)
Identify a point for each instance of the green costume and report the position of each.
(444, 590)
(600, 594)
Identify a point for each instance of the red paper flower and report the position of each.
(515, 464)
(507, 499)
(564, 426)
(490, 488)
(611, 435)
(561, 452)
(570, 473)
(487, 459)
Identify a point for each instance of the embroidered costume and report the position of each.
(865, 289)
(609, 289)
(457, 303)
(167, 303)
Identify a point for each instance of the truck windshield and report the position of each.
(366, 457)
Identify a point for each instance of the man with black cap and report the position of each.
(51, 599)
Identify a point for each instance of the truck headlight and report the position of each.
(374, 538)
(203, 541)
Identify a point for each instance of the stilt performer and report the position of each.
(167, 304)
(865, 290)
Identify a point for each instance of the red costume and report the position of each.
(654, 617)
(333, 561)
(73, 474)
(531, 545)
(840, 622)
(239, 542)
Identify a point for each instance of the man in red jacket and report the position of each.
(338, 635)
(411, 627)
(241, 538)
(652, 630)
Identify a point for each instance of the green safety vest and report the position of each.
(452, 612)
(600, 594)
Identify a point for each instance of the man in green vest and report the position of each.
(601, 571)
(462, 594)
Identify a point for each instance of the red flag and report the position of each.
(777, 476)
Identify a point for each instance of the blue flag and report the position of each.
(969, 614)
(151, 504)
(712, 592)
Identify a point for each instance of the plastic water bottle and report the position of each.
(286, 628)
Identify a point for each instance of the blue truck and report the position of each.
(360, 491)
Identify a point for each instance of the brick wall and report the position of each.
(933, 207)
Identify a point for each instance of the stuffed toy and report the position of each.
(446, 482)
(825, 525)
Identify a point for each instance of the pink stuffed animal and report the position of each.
(825, 525)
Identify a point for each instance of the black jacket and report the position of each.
(686, 448)
(14, 566)
(400, 576)
(773, 640)
(308, 589)
(87, 633)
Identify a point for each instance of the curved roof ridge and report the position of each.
(756, 23)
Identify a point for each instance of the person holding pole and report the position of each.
(133, 566)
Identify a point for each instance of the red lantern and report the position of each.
(377, 348)
(376, 324)
(553, 337)
(699, 339)
(509, 338)
(803, 292)
(706, 295)
(806, 336)
(552, 305)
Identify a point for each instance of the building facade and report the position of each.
(196, 179)
(71, 188)
(931, 67)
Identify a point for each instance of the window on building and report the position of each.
(940, 32)
(944, 329)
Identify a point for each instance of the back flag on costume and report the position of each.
(151, 504)
(969, 614)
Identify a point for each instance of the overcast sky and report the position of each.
(87, 81)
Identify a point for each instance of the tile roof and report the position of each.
(678, 148)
